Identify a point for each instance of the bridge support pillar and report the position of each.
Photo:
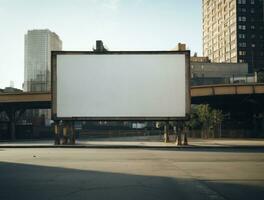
(13, 130)
(11, 113)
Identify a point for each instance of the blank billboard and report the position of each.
(120, 85)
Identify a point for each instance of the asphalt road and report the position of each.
(62, 174)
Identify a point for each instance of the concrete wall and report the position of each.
(220, 70)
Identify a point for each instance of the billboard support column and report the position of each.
(56, 133)
(72, 133)
(185, 140)
(179, 134)
(65, 132)
(166, 132)
(175, 131)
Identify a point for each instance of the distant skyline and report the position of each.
(121, 24)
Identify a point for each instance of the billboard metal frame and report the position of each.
(85, 118)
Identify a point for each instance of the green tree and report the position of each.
(206, 118)
(217, 118)
(203, 113)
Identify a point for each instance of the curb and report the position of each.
(188, 147)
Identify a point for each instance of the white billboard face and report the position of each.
(121, 86)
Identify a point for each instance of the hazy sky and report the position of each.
(121, 24)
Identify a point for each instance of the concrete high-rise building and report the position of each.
(38, 47)
(233, 31)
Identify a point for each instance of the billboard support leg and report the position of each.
(166, 132)
(179, 134)
(185, 140)
(56, 134)
(65, 133)
(175, 131)
(72, 135)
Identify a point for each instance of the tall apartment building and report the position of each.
(233, 31)
(38, 47)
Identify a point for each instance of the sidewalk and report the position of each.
(139, 142)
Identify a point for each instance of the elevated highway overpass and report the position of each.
(235, 97)
(25, 100)
(215, 95)
(15, 104)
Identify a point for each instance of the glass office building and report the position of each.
(38, 47)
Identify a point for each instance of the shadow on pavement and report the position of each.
(25, 181)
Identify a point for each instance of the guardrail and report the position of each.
(227, 89)
(234, 79)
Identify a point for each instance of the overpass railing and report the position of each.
(234, 79)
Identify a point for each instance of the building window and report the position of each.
(242, 53)
(241, 61)
(242, 44)
(242, 1)
(252, 1)
(242, 27)
(252, 27)
(242, 19)
(242, 36)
